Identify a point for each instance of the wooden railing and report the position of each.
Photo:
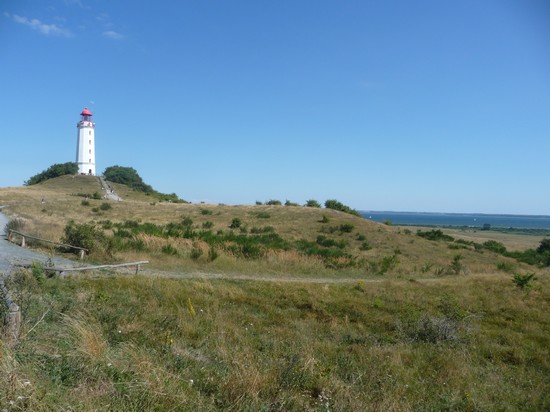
(81, 250)
(120, 265)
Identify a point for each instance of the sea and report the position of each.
(460, 219)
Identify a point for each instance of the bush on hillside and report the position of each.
(83, 235)
(56, 170)
(336, 205)
(434, 235)
(129, 176)
(495, 246)
(312, 203)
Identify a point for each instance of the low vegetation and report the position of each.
(139, 343)
(336, 205)
(269, 308)
(129, 176)
(56, 170)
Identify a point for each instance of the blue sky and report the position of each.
(383, 105)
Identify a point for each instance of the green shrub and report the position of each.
(169, 250)
(37, 269)
(105, 206)
(196, 252)
(365, 246)
(346, 228)
(434, 235)
(56, 170)
(324, 219)
(273, 202)
(84, 235)
(106, 224)
(336, 205)
(327, 242)
(505, 267)
(206, 212)
(360, 237)
(456, 264)
(523, 281)
(96, 196)
(289, 203)
(388, 263)
(235, 223)
(263, 215)
(495, 246)
(207, 225)
(312, 203)
(187, 222)
(85, 203)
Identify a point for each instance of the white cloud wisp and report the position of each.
(43, 28)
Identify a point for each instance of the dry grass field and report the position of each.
(46, 209)
(356, 316)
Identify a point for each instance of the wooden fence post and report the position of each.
(23, 241)
(81, 254)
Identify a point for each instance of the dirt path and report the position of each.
(11, 254)
(109, 192)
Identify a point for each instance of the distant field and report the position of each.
(512, 241)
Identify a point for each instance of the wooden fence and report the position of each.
(81, 250)
(62, 271)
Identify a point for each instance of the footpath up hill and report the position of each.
(269, 239)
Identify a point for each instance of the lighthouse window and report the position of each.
(90, 151)
(90, 142)
(89, 132)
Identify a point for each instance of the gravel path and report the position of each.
(109, 192)
(11, 254)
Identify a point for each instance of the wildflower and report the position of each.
(190, 307)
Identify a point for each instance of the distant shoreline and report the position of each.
(363, 212)
(482, 221)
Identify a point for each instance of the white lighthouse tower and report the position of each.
(85, 144)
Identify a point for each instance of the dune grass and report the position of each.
(426, 325)
(144, 343)
(369, 249)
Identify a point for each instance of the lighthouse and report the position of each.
(85, 144)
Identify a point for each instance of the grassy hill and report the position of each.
(410, 327)
(269, 239)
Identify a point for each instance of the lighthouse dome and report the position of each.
(86, 112)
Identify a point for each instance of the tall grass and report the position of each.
(475, 343)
